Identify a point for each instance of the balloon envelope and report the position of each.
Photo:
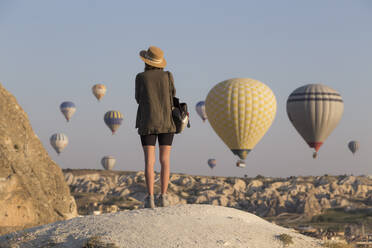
(108, 162)
(99, 90)
(59, 141)
(113, 120)
(315, 110)
(240, 110)
(212, 163)
(353, 146)
(68, 109)
(200, 109)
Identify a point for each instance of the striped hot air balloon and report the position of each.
(212, 163)
(68, 109)
(113, 120)
(315, 110)
(353, 146)
(240, 110)
(59, 141)
(108, 162)
(99, 90)
(200, 109)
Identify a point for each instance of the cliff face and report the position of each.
(265, 197)
(32, 187)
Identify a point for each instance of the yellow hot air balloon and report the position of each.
(240, 110)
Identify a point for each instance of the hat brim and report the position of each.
(142, 55)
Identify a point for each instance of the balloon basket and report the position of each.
(240, 164)
(315, 155)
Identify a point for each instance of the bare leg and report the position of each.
(164, 161)
(149, 167)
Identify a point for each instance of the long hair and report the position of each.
(150, 67)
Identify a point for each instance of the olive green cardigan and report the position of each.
(154, 93)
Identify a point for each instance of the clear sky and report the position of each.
(52, 51)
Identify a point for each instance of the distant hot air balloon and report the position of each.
(315, 110)
(200, 109)
(59, 141)
(99, 90)
(353, 146)
(108, 162)
(240, 110)
(68, 109)
(212, 163)
(113, 120)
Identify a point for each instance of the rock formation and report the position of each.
(32, 187)
(265, 197)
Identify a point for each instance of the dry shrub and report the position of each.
(285, 238)
(96, 242)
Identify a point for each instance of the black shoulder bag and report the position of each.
(180, 113)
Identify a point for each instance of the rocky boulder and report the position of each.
(32, 187)
(311, 206)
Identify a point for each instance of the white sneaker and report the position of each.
(149, 201)
(163, 199)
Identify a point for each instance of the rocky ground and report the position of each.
(191, 225)
(108, 191)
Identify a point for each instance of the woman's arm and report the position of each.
(137, 93)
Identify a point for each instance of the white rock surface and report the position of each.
(188, 226)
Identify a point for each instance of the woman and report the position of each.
(154, 94)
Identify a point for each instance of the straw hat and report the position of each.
(154, 56)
